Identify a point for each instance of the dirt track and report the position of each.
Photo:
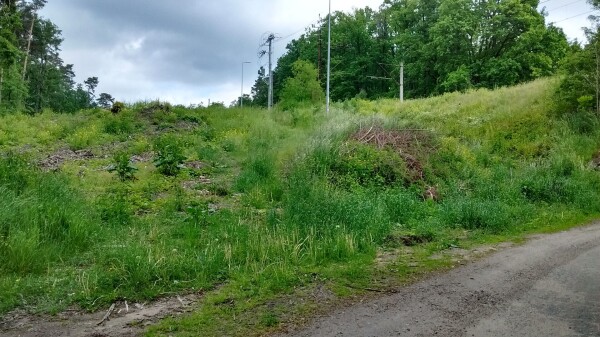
(548, 287)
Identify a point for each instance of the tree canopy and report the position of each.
(446, 45)
(33, 76)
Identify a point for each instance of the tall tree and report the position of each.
(91, 83)
(12, 87)
(579, 90)
(260, 90)
(445, 45)
(303, 88)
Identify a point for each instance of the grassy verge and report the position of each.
(260, 209)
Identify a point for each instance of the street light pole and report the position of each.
(242, 94)
(328, 57)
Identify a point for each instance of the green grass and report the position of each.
(269, 205)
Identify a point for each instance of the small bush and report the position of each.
(121, 124)
(367, 166)
(117, 107)
(169, 155)
(123, 167)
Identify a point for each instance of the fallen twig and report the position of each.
(385, 291)
(107, 315)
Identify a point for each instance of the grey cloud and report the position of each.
(188, 42)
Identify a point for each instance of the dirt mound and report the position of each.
(413, 145)
(55, 160)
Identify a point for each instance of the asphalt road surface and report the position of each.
(549, 286)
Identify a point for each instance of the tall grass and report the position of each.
(42, 220)
(273, 196)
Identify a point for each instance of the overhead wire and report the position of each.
(575, 16)
(571, 3)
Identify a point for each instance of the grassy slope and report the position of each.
(272, 204)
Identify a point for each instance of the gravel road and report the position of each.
(549, 286)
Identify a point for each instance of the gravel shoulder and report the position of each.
(550, 286)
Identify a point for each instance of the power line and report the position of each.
(301, 29)
(571, 3)
(575, 16)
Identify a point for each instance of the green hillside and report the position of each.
(248, 204)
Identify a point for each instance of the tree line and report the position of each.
(445, 45)
(33, 77)
(579, 91)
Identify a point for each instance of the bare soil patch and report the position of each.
(126, 319)
(55, 160)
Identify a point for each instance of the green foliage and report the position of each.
(585, 103)
(115, 207)
(123, 167)
(117, 107)
(445, 46)
(121, 124)
(260, 90)
(33, 77)
(169, 155)
(43, 221)
(458, 80)
(578, 89)
(303, 88)
(299, 199)
(367, 166)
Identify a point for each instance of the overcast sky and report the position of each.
(190, 51)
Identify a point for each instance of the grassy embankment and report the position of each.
(272, 203)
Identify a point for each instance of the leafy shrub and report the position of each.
(117, 107)
(122, 165)
(121, 124)
(367, 166)
(169, 155)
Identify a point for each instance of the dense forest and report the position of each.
(33, 77)
(445, 46)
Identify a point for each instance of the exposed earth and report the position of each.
(125, 319)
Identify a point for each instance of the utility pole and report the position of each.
(242, 95)
(320, 61)
(402, 81)
(328, 57)
(401, 75)
(270, 42)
